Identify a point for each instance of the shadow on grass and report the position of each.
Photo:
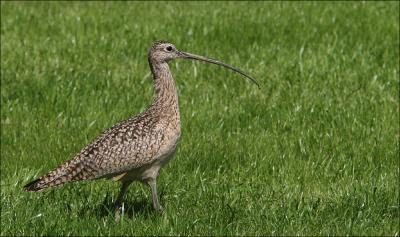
(132, 209)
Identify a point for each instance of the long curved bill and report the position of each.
(209, 60)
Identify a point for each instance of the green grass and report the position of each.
(315, 151)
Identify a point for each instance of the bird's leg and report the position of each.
(119, 205)
(156, 202)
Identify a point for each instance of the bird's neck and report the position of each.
(164, 85)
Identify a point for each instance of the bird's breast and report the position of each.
(168, 146)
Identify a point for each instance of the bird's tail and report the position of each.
(73, 170)
(34, 186)
(46, 181)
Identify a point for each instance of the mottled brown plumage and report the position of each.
(134, 149)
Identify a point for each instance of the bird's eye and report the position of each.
(169, 48)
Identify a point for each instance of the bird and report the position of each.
(137, 148)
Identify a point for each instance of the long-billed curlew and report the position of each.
(134, 149)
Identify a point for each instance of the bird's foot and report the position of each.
(159, 209)
(118, 212)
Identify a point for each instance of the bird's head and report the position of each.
(162, 52)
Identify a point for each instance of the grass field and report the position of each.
(315, 151)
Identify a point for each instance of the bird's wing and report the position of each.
(127, 145)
